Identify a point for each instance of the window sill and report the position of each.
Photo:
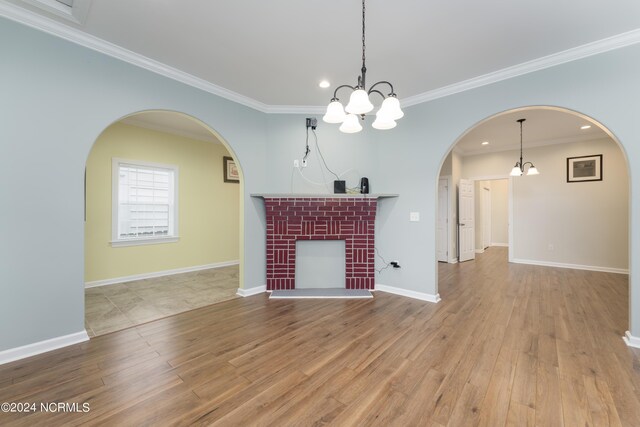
(144, 241)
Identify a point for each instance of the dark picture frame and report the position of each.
(230, 170)
(584, 168)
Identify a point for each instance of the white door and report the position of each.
(443, 220)
(466, 232)
(486, 217)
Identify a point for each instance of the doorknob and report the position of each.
(462, 225)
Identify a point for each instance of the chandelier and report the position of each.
(518, 169)
(360, 104)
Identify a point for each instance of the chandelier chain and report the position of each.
(521, 164)
(360, 102)
(363, 40)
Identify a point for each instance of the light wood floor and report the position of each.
(508, 344)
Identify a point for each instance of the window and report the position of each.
(144, 203)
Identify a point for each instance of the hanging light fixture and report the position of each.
(518, 169)
(360, 104)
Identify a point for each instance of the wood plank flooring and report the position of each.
(508, 345)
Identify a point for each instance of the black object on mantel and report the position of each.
(339, 187)
(364, 185)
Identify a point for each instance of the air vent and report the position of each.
(72, 10)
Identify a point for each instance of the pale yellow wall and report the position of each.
(208, 208)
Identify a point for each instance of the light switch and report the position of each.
(414, 216)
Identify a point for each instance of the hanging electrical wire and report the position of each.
(320, 152)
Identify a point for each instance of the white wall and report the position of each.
(581, 224)
(499, 212)
(456, 174)
(479, 217)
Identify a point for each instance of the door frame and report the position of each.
(451, 259)
(509, 179)
(486, 208)
(465, 227)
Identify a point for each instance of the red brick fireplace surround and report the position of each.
(292, 218)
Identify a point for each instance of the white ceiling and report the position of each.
(173, 123)
(276, 51)
(541, 127)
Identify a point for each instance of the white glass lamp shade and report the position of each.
(335, 113)
(516, 171)
(533, 171)
(351, 124)
(383, 121)
(359, 102)
(391, 107)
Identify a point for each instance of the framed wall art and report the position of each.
(230, 170)
(584, 168)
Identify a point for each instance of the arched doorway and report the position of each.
(555, 219)
(162, 220)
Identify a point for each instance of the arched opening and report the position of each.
(575, 215)
(163, 220)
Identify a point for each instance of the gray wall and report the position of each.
(428, 131)
(58, 97)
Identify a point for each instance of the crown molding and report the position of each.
(50, 26)
(573, 54)
(296, 109)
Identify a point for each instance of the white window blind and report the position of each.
(145, 201)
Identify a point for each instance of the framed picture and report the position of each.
(584, 168)
(230, 170)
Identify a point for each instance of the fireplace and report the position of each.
(297, 217)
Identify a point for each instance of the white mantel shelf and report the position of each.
(324, 195)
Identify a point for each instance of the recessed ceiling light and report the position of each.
(485, 143)
(324, 84)
(585, 127)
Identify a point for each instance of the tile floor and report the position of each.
(115, 307)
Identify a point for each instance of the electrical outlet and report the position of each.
(296, 163)
(304, 163)
(414, 216)
(312, 122)
(551, 248)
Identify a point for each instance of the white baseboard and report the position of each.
(407, 293)
(572, 266)
(251, 291)
(142, 276)
(504, 245)
(631, 340)
(29, 350)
